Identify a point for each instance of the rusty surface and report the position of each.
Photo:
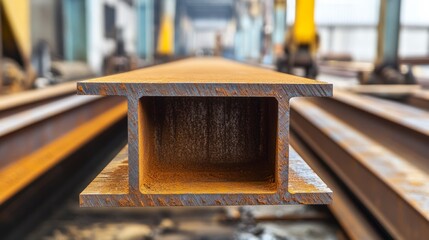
(403, 129)
(111, 189)
(37, 127)
(208, 131)
(347, 212)
(20, 173)
(371, 157)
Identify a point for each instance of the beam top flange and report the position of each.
(204, 72)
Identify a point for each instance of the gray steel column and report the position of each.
(388, 32)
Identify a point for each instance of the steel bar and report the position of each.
(208, 131)
(353, 220)
(35, 128)
(403, 129)
(20, 173)
(42, 182)
(390, 183)
(17, 102)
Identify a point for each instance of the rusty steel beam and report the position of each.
(37, 127)
(378, 149)
(349, 215)
(21, 101)
(207, 131)
(35, 185)
(403, 129)
(30, 139)
(20, 173)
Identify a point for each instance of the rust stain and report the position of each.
(103, 90)
(122, 86)
(123, 202)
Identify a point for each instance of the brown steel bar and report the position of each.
(37, 127)
(19, 173)
(390, 183)
(208, 131)
(349, 216)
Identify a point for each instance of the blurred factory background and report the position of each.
(57, 38)
(48, 135)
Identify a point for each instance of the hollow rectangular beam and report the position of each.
(207, 129)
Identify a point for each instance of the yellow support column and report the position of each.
(166, 33)
(17, 13)
(304, 30)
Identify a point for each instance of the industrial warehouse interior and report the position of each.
(214, 120)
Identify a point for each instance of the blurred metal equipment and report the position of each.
(53, 72)
(67, 71)
(302, 42)
(217, 136)
(16, 70)
(119, 61)
(387, 66)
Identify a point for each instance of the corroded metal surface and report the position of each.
(17, 174)
(382, 173)
(35, 128)
(110, 189)
(355, 222)
(208, 131)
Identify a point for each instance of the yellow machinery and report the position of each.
(16, 72)
(166, 34)
(302, 41)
